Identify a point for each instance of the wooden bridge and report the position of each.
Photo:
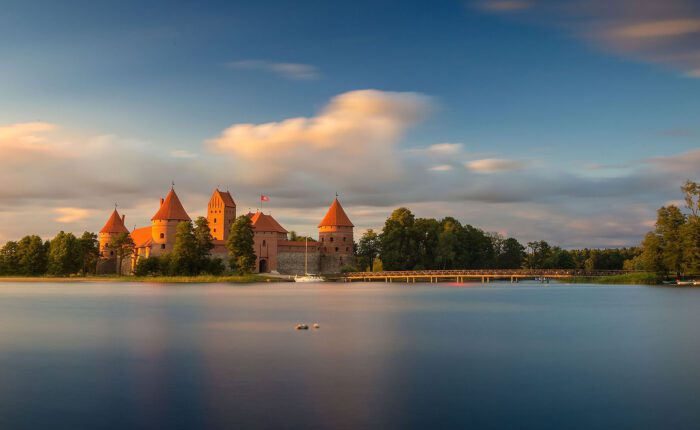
(483, 275)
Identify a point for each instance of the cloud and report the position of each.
(441, 168)
(70, 215)
(295, 71)
(353, 140)
(494, 165)
(660, 32)
(658, 29)
(445, 148)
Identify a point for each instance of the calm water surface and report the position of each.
(121, 356)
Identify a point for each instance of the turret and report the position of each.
(221, 212)
(113, 227)
(164, 223)
(335, 232)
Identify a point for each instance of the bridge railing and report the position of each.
(487, 272)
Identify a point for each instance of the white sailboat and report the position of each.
(308, 277)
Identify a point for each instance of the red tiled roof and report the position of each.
(142, 236)
(114, 224)
(262, 222)
(336, 216)
(171, 209)
(227, 198)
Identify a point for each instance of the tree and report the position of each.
(398, 242)
(426, 232)
(9, 258)
(123, 246)
(89, 249)
(63, 258)
(186, 257)
(294, 237)
(669, 221)
(691, 194)
(32, 258)
(538, 255)
(511, 254)
(148, 267)
(205, 243)
(368, 249)
(240, 246)
(652, 254)
(449, 245)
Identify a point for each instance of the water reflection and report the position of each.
(121, 356)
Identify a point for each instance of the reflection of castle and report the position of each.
(274, 252)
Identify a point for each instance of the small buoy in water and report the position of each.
(316, 325)
(302, 327)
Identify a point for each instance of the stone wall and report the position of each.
(333, 263)
(292, 263)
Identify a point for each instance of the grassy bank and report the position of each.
(246, 279)
(629, 278)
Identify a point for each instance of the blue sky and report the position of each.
(582, 96)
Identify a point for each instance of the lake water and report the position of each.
(122, 356)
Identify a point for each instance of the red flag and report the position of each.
(264, 198)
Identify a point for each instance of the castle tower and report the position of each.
(164, 223)
(113, 227)
(335, 232)
(221, 212)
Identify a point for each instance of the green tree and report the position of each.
(240, 246)
(450, 246)
(9, 258)
(652, 258)
(32, 256)
(89, 251)
(537, 256)
(294, 237)
(368, 249)
(205, 243)
(426, 232)
(398, 242)
(64, 255)
(123, 246)
(186, 257)
(669, 223)
(148, 267)
(510, 255)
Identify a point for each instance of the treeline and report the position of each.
(63, 255)
(673, 247)
(409, 243)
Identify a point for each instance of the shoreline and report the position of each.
(232, 279)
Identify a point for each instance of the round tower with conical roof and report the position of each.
(335, 232)
(164, 223)
(113, 227)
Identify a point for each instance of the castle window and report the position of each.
(331, 239)
(264, 243)
(214, 230)
(323, 239)
(347, 249)
(162, 246)
(336, 249)
(162, 235)
(214, 220)
(344, 239)
(111, 252)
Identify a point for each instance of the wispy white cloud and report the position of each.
(71, 215)
(494, 165)
(441, 168)
(297, 71)
(661, 32)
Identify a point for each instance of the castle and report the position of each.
(274, 252)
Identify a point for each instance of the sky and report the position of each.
(566, 121)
